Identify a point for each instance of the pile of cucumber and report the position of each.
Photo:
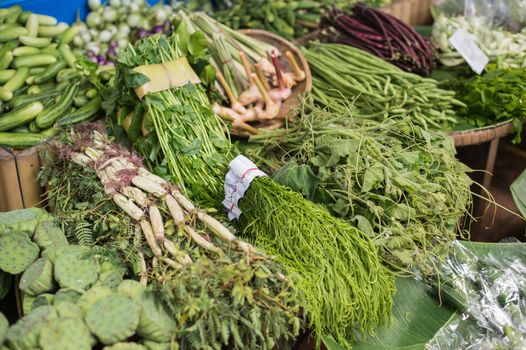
(40, 85)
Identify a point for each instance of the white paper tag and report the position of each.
(237, 180)
(468, 49)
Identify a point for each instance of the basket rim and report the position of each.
(480, 135)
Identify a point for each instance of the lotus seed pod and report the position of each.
(38, 277)
(27, 303)
(23, 335)
(151, 345)
(113, 318)
(66, 295)
(43, 300)
(5, 284)
(155, 323)
(132, 289)
(18, 252)
(51, 254)
(22, 221)
(91, 296)
(67, 309)
(65, 334)
(76, 268)
(110, 279)
(125, 346)
(4, 325)
(48, 235)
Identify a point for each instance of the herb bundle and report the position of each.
(339, 254)
(393, 180)
(379, 89)
(496, 96)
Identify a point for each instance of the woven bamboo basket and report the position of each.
(305, 86)
(412, 12)
(481, 135)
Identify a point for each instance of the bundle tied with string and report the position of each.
(346, 287)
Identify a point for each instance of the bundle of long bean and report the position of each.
(379, 89)
(397, 182)
(357, 289)
(380, 34)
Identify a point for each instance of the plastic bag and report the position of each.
(491, 293)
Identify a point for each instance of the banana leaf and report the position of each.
(518, 191)
(419, 314)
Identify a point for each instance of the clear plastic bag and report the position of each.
(491, 294)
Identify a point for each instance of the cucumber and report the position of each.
(12, 33)
(9, 13)
(8, 46)
(35, 42)
(67, 55)
(50, 51)
(7, 25)
(18, 80)
(51, 31)
(25, 99)
(67, 74)
(20, 116)
(21, 139)
(23, 128)
(92, 93)
(6, 74)
(69, 34)
(85, 113)
(48, 117)
(25, 50)
(40, 59)
(33, 128)
(51, 72)
(37, 70)
(32, 25)
(5, 95)
(6, 60)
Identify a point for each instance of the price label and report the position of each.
(468, 49)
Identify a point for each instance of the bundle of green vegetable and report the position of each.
(188, 146)
(109, 28)
(505, 49)
(219, 291)
(495, 96)
(378, 89)
(287, 18)
(393, 180)
(41, 84)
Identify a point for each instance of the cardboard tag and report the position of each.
(467, 48)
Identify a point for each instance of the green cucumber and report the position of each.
(6, 60)
(21, 139)
(51, 31)
(51, 72)
(85, 113)
(67, 74)
(40, 59)
(6, 74)
(25, 99)
(33, 128)
(25, 50)
(92, 93)
(34, 42)
(48, 117)
(67, 55)
(69, 34)
(7, 25)
(50, 51)
(18, 79)
(8, 46)
(5, 95)
(12, 33)
(10, 15)
(37, 70)
(32, 26)
(20, 116)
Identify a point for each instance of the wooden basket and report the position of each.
(19, 187)
(412, 12)
(481, 135)
(305, 86)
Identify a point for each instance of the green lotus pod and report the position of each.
(18, 252)
(67, 295)
(67, 309)
(65, 334)
(23, 335)
(91, 296)
(48, 235)
(76, 268)
(5, 284)
(43, 300)
(22, 220)
(155, 322)
(113, 318)
(4, 325)
(38, 277)
(27, 303)
(110, 279)
(151, 345)
(132, 289)
(125, 346)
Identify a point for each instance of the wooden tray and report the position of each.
(480, 135)
(305, 86)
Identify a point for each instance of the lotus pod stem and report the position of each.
(128, 206)
(150, 238)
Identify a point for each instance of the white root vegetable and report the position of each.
(143, 274)
(157, 223)
(201, 241)
(271, 107)
(149, 186)
(128, 206)
(225, 112)
(175, 210)
(182, 257)
(265, 65)
(150, 238)
(184, 202)
(152, 177)
(223, 233)
(80, 159)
